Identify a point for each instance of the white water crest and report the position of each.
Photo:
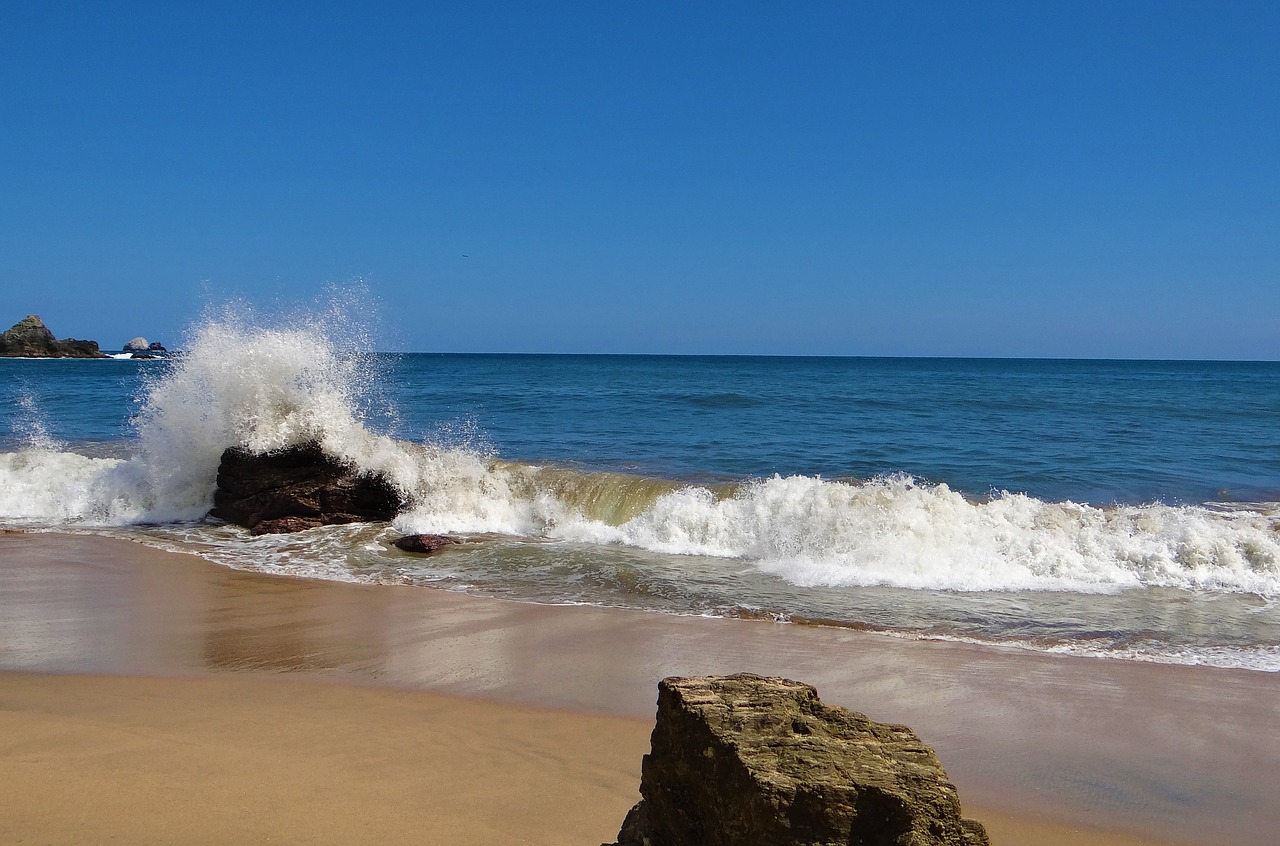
(892, 531)
(887, 531)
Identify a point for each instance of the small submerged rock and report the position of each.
(745, 760)
(424, 544)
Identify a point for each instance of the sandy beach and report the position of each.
(153, 697)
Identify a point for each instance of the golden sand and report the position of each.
(152, 697)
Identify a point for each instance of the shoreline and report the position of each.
(1118, 750)
(247, 757)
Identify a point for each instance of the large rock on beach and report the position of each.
(30, 338)
(745, 760)
(298, 488)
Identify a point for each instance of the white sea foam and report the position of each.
(264, 387)
(1263, 658)
(31, 424)
(42, 483)
(893, 531)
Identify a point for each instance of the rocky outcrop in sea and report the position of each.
(142, 348)
(30, 338)
(298, 488)
(745, 760)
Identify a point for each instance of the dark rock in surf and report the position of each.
(744, 759)
(423, 544)
(71, 348)
(30, 338)
(298, 488)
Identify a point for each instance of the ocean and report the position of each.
(1125, 509)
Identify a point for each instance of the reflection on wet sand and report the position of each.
(80, 605)
(288, 626)
(1183, 752)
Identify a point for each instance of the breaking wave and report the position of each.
(267, 387)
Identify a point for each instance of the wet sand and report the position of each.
(243, 759)
(160, 698)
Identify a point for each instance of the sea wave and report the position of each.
(895, 531)
(265, 388)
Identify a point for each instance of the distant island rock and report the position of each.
(30, 338)
(141, 348)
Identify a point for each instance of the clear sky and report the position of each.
(856, 178)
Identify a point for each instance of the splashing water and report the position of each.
(32, 426)
(237, 384)
(260, 385)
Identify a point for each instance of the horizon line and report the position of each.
(841, 355)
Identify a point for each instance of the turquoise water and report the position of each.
(1120, 508)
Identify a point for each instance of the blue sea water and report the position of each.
(1089, 431)
(1119, 508)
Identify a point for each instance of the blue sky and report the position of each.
(1008, 179)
